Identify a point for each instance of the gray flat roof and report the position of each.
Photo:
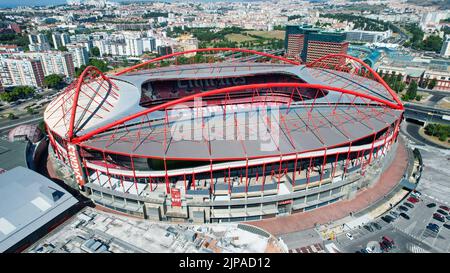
(300, 131)
(28, 201)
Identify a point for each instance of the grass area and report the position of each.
(274, 34)
(434, 139)
(239, 38)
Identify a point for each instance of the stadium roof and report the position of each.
(28, 201)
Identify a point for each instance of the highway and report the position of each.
(426, 113)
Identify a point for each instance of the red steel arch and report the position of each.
(372, 72)
(206, 50)
(88, 74)
(232, 90)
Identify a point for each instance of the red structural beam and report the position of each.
(231, 90)
(80, 82)
(206, 50)
(373, 72)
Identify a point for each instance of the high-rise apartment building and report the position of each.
(80, 55)
(60, 39)
(21, 71)
(309, 44)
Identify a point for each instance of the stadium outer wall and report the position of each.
(292, 183)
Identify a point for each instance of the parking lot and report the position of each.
(421, 215)
(409, 235)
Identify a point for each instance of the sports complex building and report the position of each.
(226, 135)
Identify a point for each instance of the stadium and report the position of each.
(222, 134)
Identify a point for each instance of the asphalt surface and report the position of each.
(413, 130)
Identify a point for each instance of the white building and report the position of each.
(368, 36)
(60, 39)
(51, 62)
(134, 46)
(445, 49)
(80, 54)
(21, 71)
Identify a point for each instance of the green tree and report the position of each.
(11, 116)
(95, 51)
(432, 83)
(53, 80)
(412, 90)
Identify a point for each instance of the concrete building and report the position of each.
(50, 62)
(311, 43)
(60, 39)
(134, 47)
(38, 42)
(445, 49)
(39, 47)
(149, 44)
(37, 38)
(31, 206)
(21, 71)
(80, 54)
(187, 42)
(368, 36)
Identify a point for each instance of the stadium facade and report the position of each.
(235, 135)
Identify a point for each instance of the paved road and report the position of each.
(26, 120)
(434, 99)
(413, 130)
(426, 113)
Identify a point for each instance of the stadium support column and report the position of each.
(211, 186)
(323, 165)
(166, 176)
(229, 180)
(335, 166)
(107, 169)
(309, 172)
(134, 175)
(246, 176)
(346, 161)
(371, 149)
(264, 176)
(295, 170)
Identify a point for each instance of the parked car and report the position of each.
(369, 228)
(349, 236)
(409, 205)
(431, 205)
(434, 228)
(447, 225)
(369, 250)
(387, 219)
(448, 217)
(388, 240)
(402, 208)
(404, 215)
(417, 194)
(443, 212)
(384, 246)
(438, 217)
(413, 199)
(376, 225)
(445, 208)
(394, 214)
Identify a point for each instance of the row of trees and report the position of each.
(18, 92)
(101, 65)
(438, 130)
